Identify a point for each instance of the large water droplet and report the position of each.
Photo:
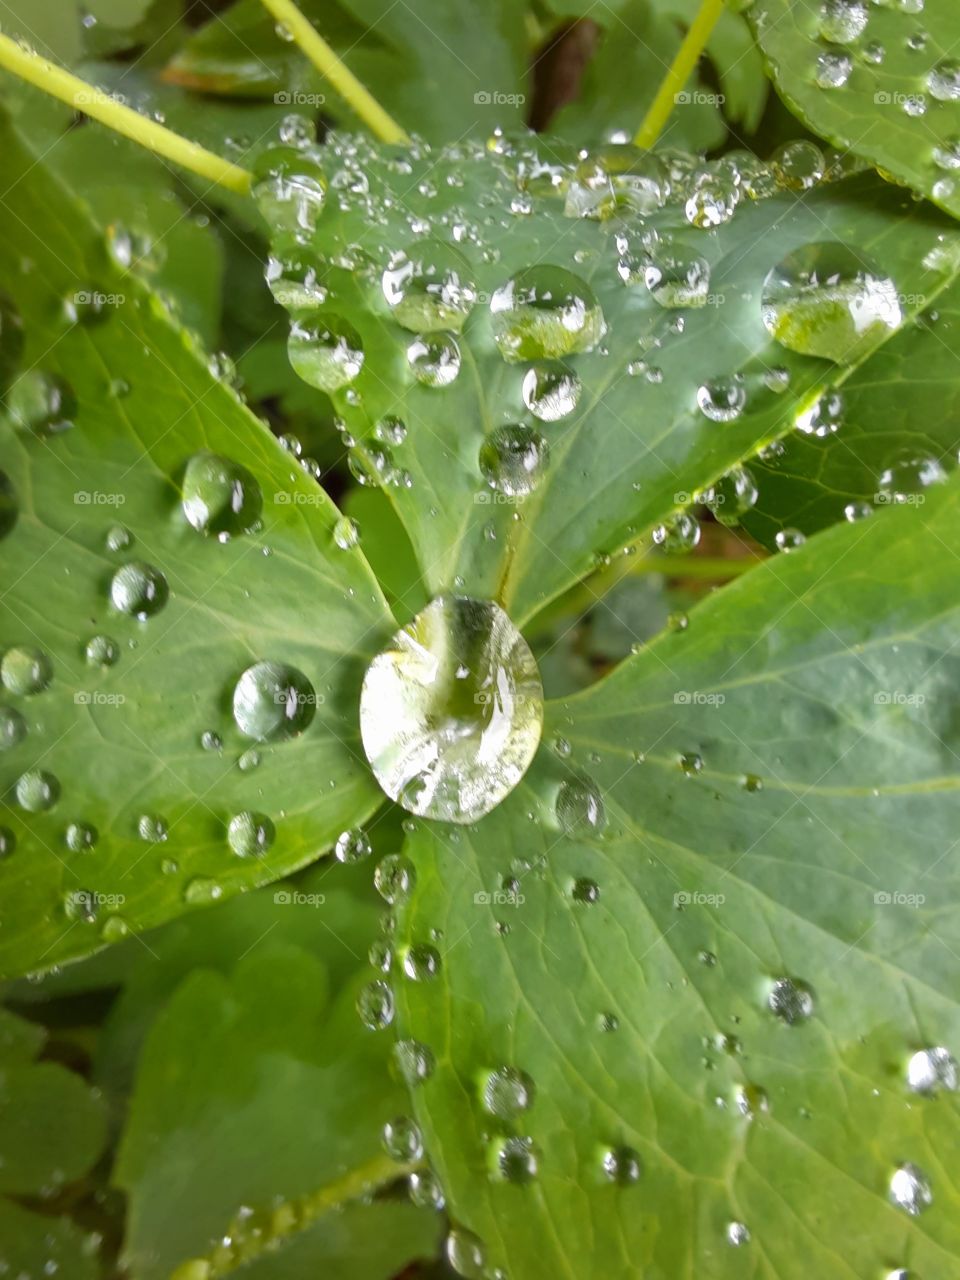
(930, 1070)
(545, 311)
(451, 711)
(220, 497)
(824, 300)
(677, 277)
(273, 701)
(429, 288)
(507, 1092)
(550, 391)
(42, 403)
(434, 359)
(25, 671)
(842, 21)
(325, 350)
(289, 189)
(910, 1189)
(513, 459)
(791, 1000)
(37, 791)
(139, 590)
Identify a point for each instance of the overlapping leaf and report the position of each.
(118, 747)
(778, 785)
(638, 443)
(880, 79)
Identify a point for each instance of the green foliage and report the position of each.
(685, 1001)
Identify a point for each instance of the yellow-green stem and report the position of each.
(93, 102)
(340, 76)
(679, 73)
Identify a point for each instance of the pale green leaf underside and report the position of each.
(885, 110)
(637, 444)
(831, 676)
(125, 742)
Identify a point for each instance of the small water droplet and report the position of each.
(152, 828)
(37, 791)
(139, 589)
(346, 533)
(325, 350)
(273, 701)
(513, 460)
(722, 399)
(80, 837)
(41, 403)
(428, 287)
(550, 391)
(910, 1189)
(25, 671)
(375, 1005)
(101, 651)
(737, 1234)
(250, 834)
(13, 728)
(394, 878)
(220, 497)
(579, 808)
(434, 359)
(791, 1000)
(352, 845)
(930, 1070)
(507, 1092)
(788, 540)
(621, 1165)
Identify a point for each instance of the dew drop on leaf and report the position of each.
(579, 808)
(910, 1189)
(451, 711)
(428, 287)
(585, 891)
(733, 496)
(514, 1159)
(722, 399)
(421, 962)
(712, 202)
(943, 81)
(25, 671)
(737, 1234)
(13, 728)
(152, 828)
(82, 905)
(8, 842)
(676, 277)
(118, 538)
(202, 889)
(906, 478)
(434, 359)
(550, 391)
(679, 536)
(414, 1061)
(352, 845)
(826, 300)
(833, 69)
(289, 189)
(507, 1092)
(545, 312)
(139, 590)
(273, 701)
(930, 1070)
(465, 1253)
(325, 350)
(101, 651)
(394, 878)
(824, 417)
(346, 533)
(798, 166)
(80, 837)
(220, 497)
(375, 1005)
(402, 1140)
(789, 540)
(513, 460)
(791, 1000)
(621, 1165)
(37, 791)
(842, 21)
(425, 1191)
(42, 403)
(250, 834)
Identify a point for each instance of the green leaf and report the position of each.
(35, 1244)
(637, 445)
(899, 101)
(426, 66)
(898, 430)
(122, 742)
(218, 1122)
(778, 786)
